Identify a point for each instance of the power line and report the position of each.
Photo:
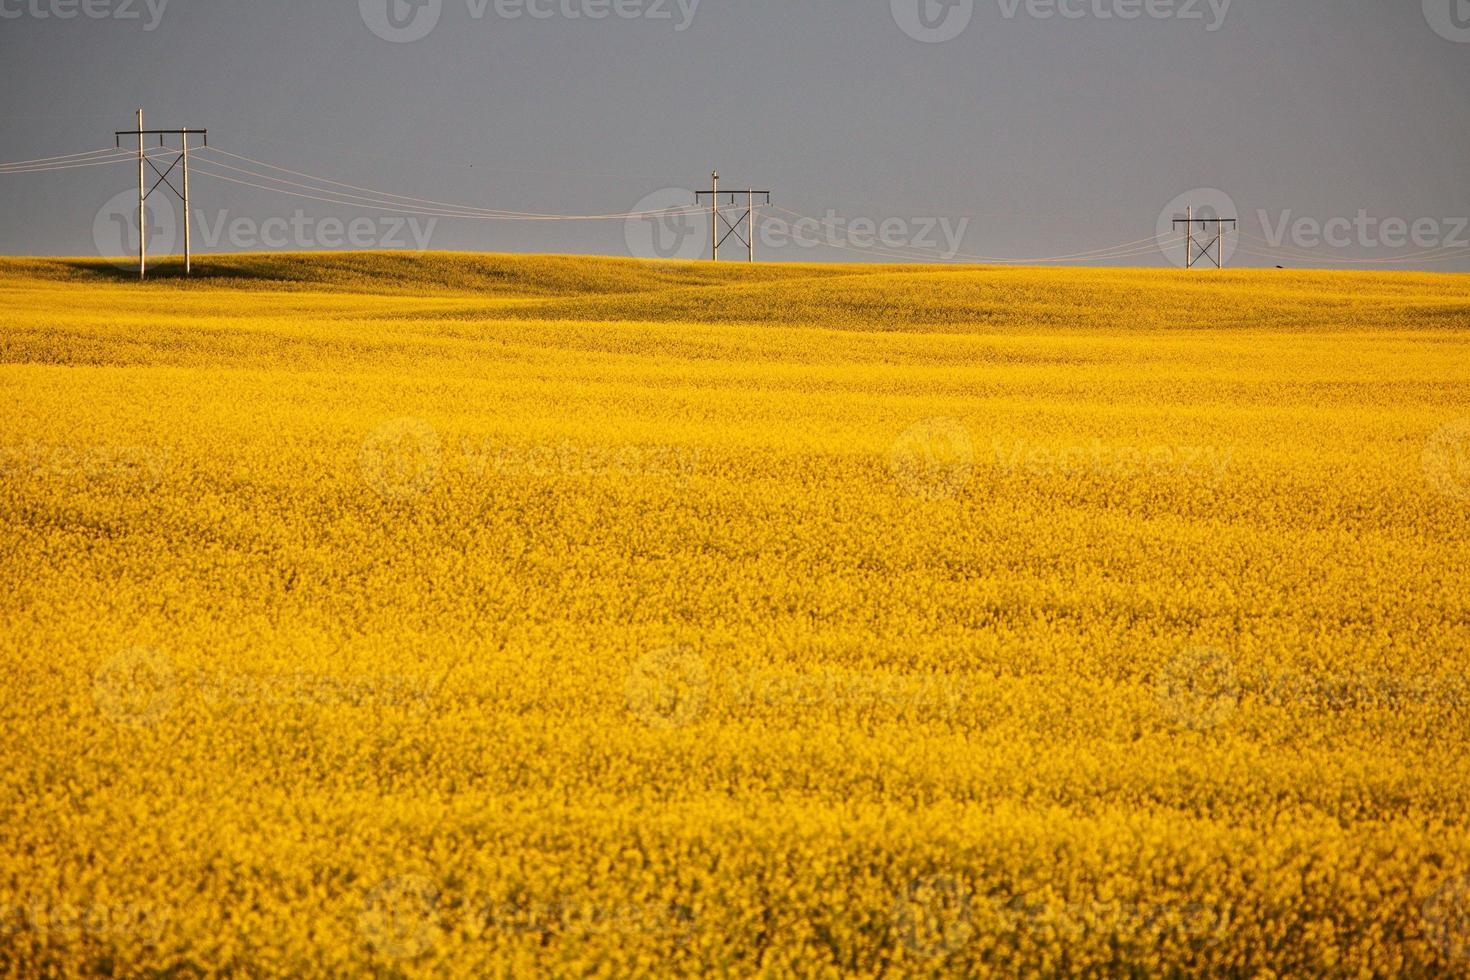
(57, 159)
(1342, 260)
(1300, 254)
(1091, 253)
(119, 157)
(393, 208)
(536, 171)
(325, 190)
(1115, 252)
(1142, 246)
(435, 209)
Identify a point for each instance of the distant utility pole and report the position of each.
(731, 228)
(1214, 249)
(144, 191)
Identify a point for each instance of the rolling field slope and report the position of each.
(513, 615)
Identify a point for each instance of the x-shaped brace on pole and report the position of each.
(163, 177)
(1217, 243)
(1204, 251)
(734, 229)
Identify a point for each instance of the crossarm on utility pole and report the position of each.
(732, 227)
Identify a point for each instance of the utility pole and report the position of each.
(750, 223)
(144, 191)
(1213, 250)
(142, 213)
(1189, 238)
(732, 227)
(188, 238)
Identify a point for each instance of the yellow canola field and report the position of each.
(510, 616)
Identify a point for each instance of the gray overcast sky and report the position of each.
(1048, 134)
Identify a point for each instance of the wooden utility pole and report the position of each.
(1189, 241)
(750, 223)
(188, 238)
(142, 203)
(731, 227)
(144, 191)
